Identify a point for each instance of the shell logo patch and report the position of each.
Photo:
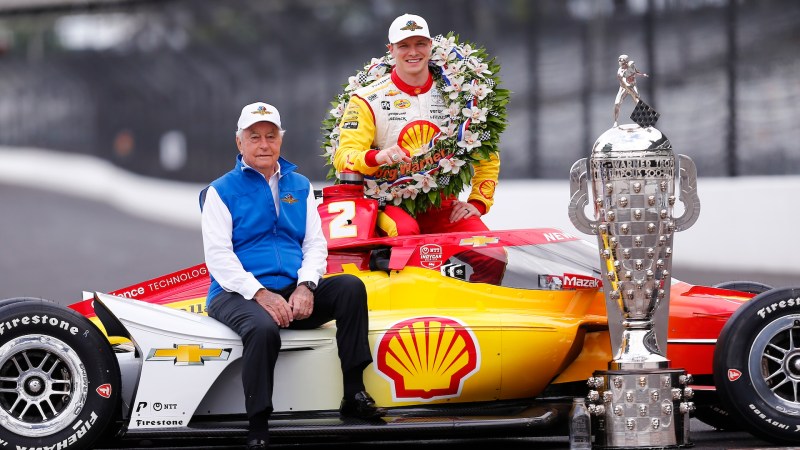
(416, 135)
(734, 374)
(402, 103)
(427, 358)
(486, 188)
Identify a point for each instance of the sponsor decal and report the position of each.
(392, 93)
(575, 281)
(352, 125)
(427, 358)
(734, 374)
(792, 302)
(289, 198)
(770, 420)
(167, 281)
(157, 423)
(478, 241)
(372, 97)
(43, 319)
(486, 188)
(188, 354)
(157, 407)
(430, 255)
(411, 26)
(555, 237)
(104, 390)
(552, 282)
(81, 428)
(454, 271)
(402, 103)
(385, 105)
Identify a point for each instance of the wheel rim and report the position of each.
(774, 364)
(43, 385)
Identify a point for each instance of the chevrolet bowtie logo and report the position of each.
(188, 354)
(479, 241)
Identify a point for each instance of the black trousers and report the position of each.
(342, 298)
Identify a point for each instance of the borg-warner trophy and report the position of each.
(639, 402)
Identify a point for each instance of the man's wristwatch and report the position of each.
(310, 285)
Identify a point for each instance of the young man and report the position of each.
(377, 118)
(266, 254)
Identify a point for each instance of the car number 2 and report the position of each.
(342, 225)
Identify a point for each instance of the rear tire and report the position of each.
(59, 379)
(757, 365)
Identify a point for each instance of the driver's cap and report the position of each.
(406, 26)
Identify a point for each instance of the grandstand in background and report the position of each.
(155, 86)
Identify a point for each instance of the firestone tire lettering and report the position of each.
(39, 338)
(753, 345)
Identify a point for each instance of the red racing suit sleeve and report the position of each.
(356, 136)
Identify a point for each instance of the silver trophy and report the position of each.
(639, 402)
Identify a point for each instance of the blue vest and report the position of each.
(267, 244)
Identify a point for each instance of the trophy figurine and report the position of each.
(639, 402)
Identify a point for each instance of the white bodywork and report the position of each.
(191, 365)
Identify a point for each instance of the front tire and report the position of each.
(59, 379)
(757, 365)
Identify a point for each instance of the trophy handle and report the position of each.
(688, 196)
(579, 198)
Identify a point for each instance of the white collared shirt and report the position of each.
(224, 265)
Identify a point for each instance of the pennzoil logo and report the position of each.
(427, 358)
(478, 241)
(402, 103)
(188, 354)
(289, 198)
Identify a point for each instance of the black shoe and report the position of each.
(361, 406)
(257, 444)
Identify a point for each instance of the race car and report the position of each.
(470, 334)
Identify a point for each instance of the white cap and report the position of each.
(406, 26)
(258, 112)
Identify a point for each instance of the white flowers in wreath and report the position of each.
(476, 110)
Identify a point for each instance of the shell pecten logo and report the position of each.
(417, 135)
(427, 358)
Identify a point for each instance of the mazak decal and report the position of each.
(427, 358)
(188, 354)
(575, 281)
(430, 256)
(478, 241)
(104, 390)
(734, 374)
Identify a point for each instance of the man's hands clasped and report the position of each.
(299, 307)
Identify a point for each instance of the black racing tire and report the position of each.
(59, 378)
(752, 287)
(757, 366)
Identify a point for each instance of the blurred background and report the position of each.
(155, 86)
(114, 89)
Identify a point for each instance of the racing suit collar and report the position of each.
(411, 90)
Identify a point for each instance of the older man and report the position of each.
(266, 254)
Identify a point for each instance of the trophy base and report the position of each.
(642, 409)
